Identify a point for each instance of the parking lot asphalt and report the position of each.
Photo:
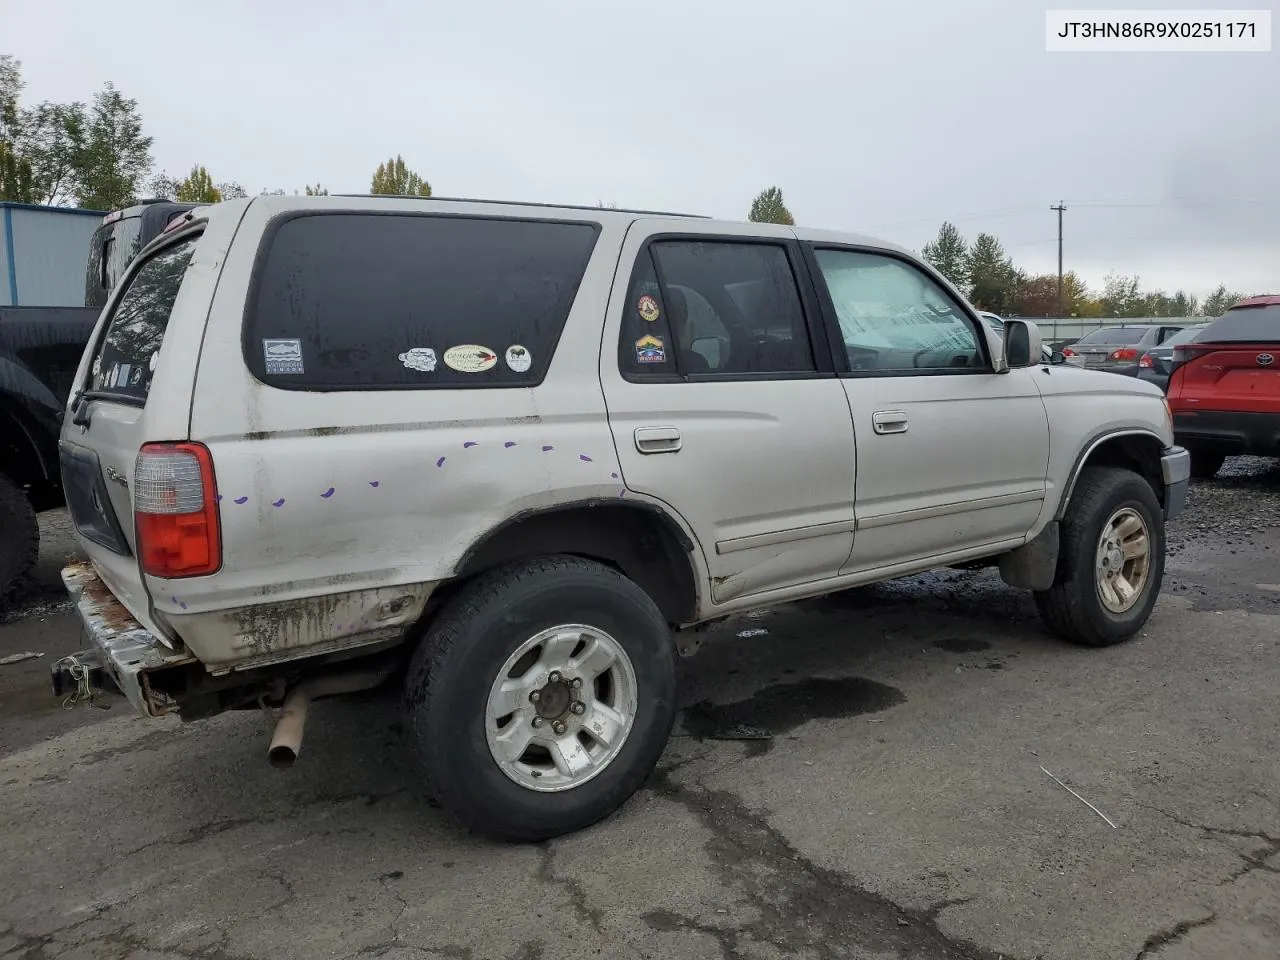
(861, 776)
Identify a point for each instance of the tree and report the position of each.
(393, 178)
(993, 281)
(53, 141)
(1120, 297)
(1037, 297)
(231, 190)
(198, 188)
(112, 154)
(16, 176)
(949, 255)
(1220, 301)
(317, 191)
(768, 207)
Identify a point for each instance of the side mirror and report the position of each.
(1022, 344)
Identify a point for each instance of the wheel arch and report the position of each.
(1131, 449)
(639, 539)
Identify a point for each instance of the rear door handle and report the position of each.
(889, 421)
(657, 439)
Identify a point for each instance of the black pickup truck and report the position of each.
(40, 350)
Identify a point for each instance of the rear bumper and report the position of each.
(1175, 467)
(123, 648)
(1257, 433)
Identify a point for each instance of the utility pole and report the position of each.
(1060, 207)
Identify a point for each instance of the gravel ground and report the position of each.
(897, 807)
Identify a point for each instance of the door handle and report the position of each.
(657, 439)
(889, 421)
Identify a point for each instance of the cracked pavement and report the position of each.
(860, 780)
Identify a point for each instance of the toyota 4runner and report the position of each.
(510, 456)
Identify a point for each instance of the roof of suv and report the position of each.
(357, 202)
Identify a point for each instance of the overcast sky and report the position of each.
(877, 116)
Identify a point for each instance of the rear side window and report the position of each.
(376, 301)
(1114, 335)
(1244, 325)
(126, 358)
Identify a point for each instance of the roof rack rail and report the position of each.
(526, 203)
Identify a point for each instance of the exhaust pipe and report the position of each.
(286, 742)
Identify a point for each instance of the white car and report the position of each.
(509, 457)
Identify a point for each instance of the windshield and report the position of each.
(1114, 335)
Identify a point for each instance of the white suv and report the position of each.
(508, 455)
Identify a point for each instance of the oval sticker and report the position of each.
(469, 358)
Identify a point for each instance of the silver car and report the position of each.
(1118, 349)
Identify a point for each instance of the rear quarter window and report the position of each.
(127, 355)
(348, 301)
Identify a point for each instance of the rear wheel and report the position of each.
(1111, 560)
(542, 697)
(19, 540)
(1206, 462)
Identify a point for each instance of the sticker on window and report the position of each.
(518, 359)
(648, 309)
(650, 350)
(422, 359)
(282, 356)
(470, 358)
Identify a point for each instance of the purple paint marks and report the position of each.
(180, 603)
(622, 492)
(440, 462)
(509, 444)
(547, 449)
(218, 498)
(471, 443)
(242, 500)
(584, 458)
(373, 483)
(614, 476)
(278, 503)
(328, 493)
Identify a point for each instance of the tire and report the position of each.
(1206, 462)
(1074, 608)
(451, 681)
(19, 540)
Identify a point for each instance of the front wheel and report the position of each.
(1111, 563)
(542, 697)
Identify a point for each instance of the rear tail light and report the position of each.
(1184, 353)
(1146, 361)
(175, 506)
(1068, 352)
(1124, 353)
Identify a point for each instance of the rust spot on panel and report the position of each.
(110, 611)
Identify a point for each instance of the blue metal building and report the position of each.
(44, 252)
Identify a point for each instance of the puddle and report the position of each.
(961, 645)
(781, 708)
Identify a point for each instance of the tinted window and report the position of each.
(360, 301)
(894, 317)
(126, 358)
(111, 250)
(644, 344)
(1182, 336)
(1244, 325)
(1114, 335)
(730, 308)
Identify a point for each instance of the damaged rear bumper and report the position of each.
(121, 648)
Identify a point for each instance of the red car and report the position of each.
(1224, 391)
